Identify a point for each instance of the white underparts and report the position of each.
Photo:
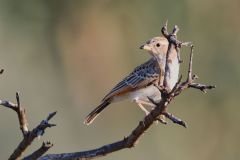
(172, 73)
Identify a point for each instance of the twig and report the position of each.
(28, 139)
(38, 153)
(189, 83)
(161, 108)
(189, 78)
(129, 141)
(201, 87)
(28, 136)
(173, 44)
(22, 118)
(175, 119)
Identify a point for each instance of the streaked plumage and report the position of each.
(138, 85)
(142, 76)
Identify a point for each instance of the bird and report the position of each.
(140, 84)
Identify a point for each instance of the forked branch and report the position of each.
(161, 108)
(28, 136)
(127, 142)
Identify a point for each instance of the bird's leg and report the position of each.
(147, 103)
(175, 119)
(140, 103)
(142, 107)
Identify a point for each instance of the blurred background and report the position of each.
(66, 55)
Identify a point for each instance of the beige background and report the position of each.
(66, 55)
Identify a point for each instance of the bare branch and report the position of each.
(173, 44)
(38, 153)
(189, 83)
(129, 141)
(175, 30)
(28, 136)
(8, 104)
(202, 87)
(164, 30)
(136, 134)
(22, 118)
(175, 119)
(28, 139)
(189, 78)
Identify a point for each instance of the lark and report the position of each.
(140, 84)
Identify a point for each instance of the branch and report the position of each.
(189, 83)
(128, 142)
(173, 44)
(38, 153)
(202, 87)
(175, 119)
(37, 132)
(28, 136)
(22, 118)
(161, 108)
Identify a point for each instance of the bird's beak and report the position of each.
(145, 47)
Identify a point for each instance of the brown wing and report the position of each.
(142, 76)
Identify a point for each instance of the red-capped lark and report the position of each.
(140, 83)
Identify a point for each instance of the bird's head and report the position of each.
(156, 46)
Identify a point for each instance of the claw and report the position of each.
(162, 119)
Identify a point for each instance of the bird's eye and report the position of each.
(158, 45)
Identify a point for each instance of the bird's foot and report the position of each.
(161, 119)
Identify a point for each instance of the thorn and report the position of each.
(175, 30)
(211, 87)
(166, 23)
(18, 99)
(51, 125)
(188, 44)
(194, 77)
(182, 123)
(1, 71)
(47, 144)
(51, 115)
(204, 90)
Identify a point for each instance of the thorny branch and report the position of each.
(131, 140)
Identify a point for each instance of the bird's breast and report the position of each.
(142, 93)
(172, 73)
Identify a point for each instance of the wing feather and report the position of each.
(141, 76)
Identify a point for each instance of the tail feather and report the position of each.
(89, 119)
